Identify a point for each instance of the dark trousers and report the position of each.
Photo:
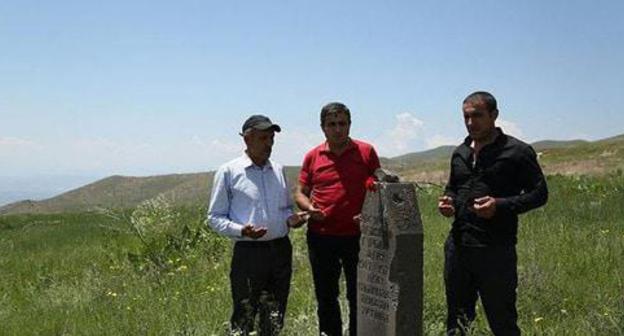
(486, 272)
(329, 255)
(260, 282)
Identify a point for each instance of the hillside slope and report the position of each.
(556, 157)
(121, 192)
(117, 192)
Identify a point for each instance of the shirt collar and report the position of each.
(350, 146)
(465, 150)
(500, 138)
(247, 163)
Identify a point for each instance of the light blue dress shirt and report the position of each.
(244, 193)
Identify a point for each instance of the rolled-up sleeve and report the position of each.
(219, 208)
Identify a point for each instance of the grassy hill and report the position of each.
(88, 274)
(594, 158)
(550, 144)
(117, 192)
(431, 166)
(121, 192)
(407, 160)
(572, 157)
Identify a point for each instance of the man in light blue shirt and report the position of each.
(251, 204)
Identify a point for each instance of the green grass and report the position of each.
(71, 274)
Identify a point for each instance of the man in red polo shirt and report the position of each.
(332, 189)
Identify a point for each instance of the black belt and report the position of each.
(262, 243)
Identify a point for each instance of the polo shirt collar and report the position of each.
(350, 146)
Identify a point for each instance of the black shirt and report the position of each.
(505, 169)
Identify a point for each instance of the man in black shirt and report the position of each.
(494, 177)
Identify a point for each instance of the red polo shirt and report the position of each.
(337, 185)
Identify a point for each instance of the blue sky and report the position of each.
(146, 87)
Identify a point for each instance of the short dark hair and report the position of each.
(483, 97)
(334, 108)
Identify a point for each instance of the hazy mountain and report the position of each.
(15, 188)
(127, 192)
(9, 196)
(431, 166)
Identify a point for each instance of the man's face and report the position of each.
(259, 145)
(336, 128)
(478, 120)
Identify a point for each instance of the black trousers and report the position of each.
(260, 282)
(486, 272)
(329, 255)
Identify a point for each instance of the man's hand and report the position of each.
(358, 219)
(484, 207)
(445, 206)
(316, 213)
(297, 219)
(252, 232)
(370, 184)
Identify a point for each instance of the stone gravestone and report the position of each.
(390, 271)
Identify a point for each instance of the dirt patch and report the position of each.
(590, 167)
(438, 177)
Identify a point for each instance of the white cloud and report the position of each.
(398, 139)
(194, 153)
(15, 142)
(292, 144)
(217, 146)
(408, 127)
(196, 140)
(289, 149)
(510, 128)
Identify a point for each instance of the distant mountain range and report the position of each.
(431, 166)
(38, 187)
